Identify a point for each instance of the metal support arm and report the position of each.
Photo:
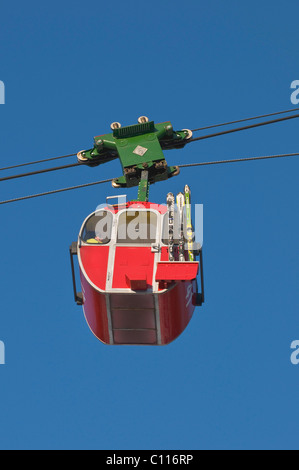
(77, 295)
(139, 147)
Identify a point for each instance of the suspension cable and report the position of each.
(191, 140)
(244, 120)
(38, 161)
(187, 165)
(22, 175)
(266, 123)
(55, 191)
(238, 160)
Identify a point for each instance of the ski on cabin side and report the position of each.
(189, 223)
(170, 208)
(181, 204)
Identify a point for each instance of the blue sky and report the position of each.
(70, 69)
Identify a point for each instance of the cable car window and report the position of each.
(98, 228)
(137, 227)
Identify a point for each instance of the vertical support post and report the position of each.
(202, 278)
(143, 188)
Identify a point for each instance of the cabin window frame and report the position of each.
(83, 242)
(135, 242)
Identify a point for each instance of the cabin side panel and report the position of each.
(176, 309)
(95, 263)
(133, 264)
(95, 310)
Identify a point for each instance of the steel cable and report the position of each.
(55, 191)
(244, 120)
(38, 161)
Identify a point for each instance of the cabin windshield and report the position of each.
(137, 227)
(98, 228)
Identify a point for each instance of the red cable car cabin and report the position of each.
(131, 293)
